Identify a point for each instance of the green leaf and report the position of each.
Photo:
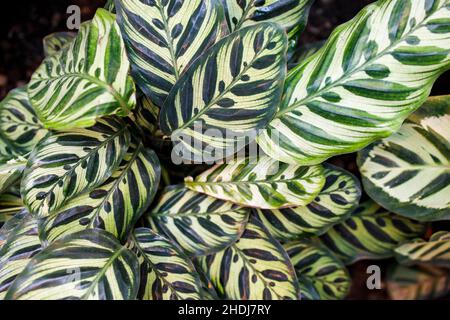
(409, 172)
(260, 183)
(90, 264)
(166, 272)
(86, 80)
(417, 283)
(334, 203)
(316, 264)
(254, 268)
(116, 205)
(163, 38)
(435, 251)
(371, 74)
(66, 164)
(20, 245)
(370, 233)
(227, 94)
(199, 224)
(11, 172)
(146, 116)
(20, 129)
(10, 204)
(292, 15)
(55, 42)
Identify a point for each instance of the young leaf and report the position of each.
(199, 224)
(88, 265)
(316, 264)
(262, 183)
(370, 233)
(337, 200)
(229, 92)
(371, 74)
(163, 38)
(166, 272)
(434, 252)
(55, 42)
(66, 164)
(409, 172)
(254, 268)
(10, 173)
(86, 80)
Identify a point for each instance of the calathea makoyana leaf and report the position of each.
(254, 268)
(198, 223)
(166, 272)
(334, 203)
(88, 265)
(8, 227)
(10, 204)
(146, 116)
(290, 14)
(66, 164)
(370, 75)
(435, 251)
(20, 129)
(409, 172)
(21, 244)
(316, 265)
(260, 183)
(163, 38)
(370, 233)
(55, 42)
(86, 80)
(10, 172)
(229, 93)
(417, 283)
(116, 205)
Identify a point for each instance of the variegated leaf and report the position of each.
(10, 172)
(370, 75)
(315, 263)
(166, 272)
(260, 183)
(227, 94)
(116, 205)
(88, 265)
(164, 37)
(435, 251)
(409, 172)
(198, 223)
(370, 233)
(69, 163)
(55, 42)
(86, 80)
(254, 268)
(334, 203)
(21, 244)
(290, 14)
(146, 116)
(10, 204)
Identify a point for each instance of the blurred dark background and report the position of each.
(23, 24)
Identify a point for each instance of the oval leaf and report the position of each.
(262, 183)
(371, 74)
(199, 224)
(86, 80)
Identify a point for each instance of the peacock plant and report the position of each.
(175, 150)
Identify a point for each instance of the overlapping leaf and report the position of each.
(21, 244)
(90, 264)
(409, 172)
(371, 74)
(316, 265)
(10, 204)
(290, 14)
(10, 172)
(163, 38)
(166, 272)
(260, 183)
(337, 200)
(370, 233)
(55, 42)
(86, 80)
(227, 94)
(254, 268)
(146, 116)
(198, 223)
(69, 163)
(435, 251)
